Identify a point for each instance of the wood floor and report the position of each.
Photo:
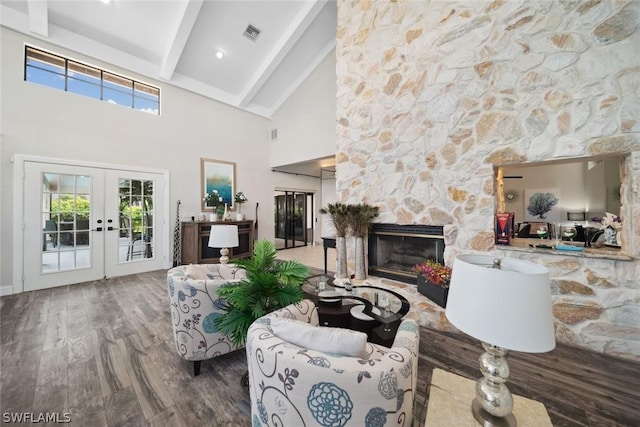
(104, 353)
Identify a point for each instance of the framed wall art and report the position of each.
(220, 176)
(542, 205)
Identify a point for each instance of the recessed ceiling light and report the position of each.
(106, 1)
(219, 54)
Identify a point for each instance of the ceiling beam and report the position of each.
(170, 60)
(38, 17)
(290, 37)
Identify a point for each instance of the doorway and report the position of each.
(293, 219)
(84, 223)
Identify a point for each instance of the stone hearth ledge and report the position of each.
(522, 245)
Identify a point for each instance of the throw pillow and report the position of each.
(321, 338)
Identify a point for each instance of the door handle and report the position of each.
(97, 229)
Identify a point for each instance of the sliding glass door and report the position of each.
(293, 219)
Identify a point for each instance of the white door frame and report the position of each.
(18, 208)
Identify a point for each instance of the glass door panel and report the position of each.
(134, 230)
(66, 209)
(136, 220)
(292, 212)
(59, 247)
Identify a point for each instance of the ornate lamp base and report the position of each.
(223, 255)
(493, 403)
(487, 420)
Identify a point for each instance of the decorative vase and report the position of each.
(610, 236)
(435, 293)
(226, 216)
(213, 217)
(360, 273)
(341, 258)
(239, 216)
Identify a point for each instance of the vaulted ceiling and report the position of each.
(176, 41)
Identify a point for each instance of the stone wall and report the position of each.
(432, 95)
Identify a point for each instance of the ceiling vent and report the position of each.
(251, 32)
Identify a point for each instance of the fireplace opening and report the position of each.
(394, 249)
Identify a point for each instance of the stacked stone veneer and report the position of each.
(432, 95)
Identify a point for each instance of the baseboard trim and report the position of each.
(6, 290)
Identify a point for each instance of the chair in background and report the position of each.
(82, 232)
(292, 385)
(51, 229)
(193, 293)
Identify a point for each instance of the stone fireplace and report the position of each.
(394, 249)
(432, 96)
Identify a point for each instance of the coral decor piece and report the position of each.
(541, 203)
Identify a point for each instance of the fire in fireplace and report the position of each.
(394, 249)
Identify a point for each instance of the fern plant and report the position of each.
(269, 285)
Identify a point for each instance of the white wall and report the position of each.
(306, 122)
(42, 121)
(306, 125)
(329, 195)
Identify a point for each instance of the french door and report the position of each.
(86, 223)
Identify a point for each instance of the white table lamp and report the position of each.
(225, 237)
(506, 304)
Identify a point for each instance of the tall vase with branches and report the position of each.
(338, 213)
(360, 217)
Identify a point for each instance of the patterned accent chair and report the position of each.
(294, 386)
(194, 307)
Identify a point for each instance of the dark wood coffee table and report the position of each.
(335, 310)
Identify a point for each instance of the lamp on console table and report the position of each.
(225, 237)
(506, 304)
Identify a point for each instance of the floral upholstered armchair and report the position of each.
(193, 290)
(294, 385)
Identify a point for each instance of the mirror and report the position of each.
(571, 192)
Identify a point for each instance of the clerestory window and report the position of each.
(62, 73)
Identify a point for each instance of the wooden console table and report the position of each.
(450, 398)
(195, 242)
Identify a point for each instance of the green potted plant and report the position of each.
(214, 200)
(360, 217)
(338, 213)
(433, 281)
(269, 285)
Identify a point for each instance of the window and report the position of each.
(66, 74)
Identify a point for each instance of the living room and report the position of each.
(419, 131)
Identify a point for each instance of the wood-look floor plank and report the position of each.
(121, 367)
(122, 409)
(169, 418)
(19, 379)
(146, 383)
(56, 330)
(51, 393)
(85, 396)
(111, 369)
